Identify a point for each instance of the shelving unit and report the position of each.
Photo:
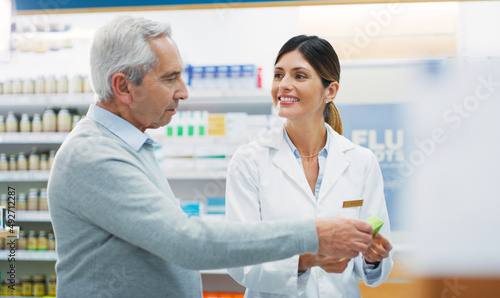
(32, 137)
(24, 176)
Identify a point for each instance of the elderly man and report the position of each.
(119, 229)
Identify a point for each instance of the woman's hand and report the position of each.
(378, 251)
(329, 264)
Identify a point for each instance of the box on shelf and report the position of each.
(216, 205)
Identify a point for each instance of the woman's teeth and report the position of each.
(289, 99)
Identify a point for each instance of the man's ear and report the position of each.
(121, 87)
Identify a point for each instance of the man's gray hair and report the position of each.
(122, 46)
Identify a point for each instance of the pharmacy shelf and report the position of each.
(195, 175)
(24, 176)
(229, 96)
(33, 137)
(195, 97)
(32, 216)
(43, 100)
(251, 101)
(41, 176)
(29, 255)
(24, 296)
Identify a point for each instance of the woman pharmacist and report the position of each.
(307, 169)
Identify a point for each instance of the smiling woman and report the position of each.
(307, 169)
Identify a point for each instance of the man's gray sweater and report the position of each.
(121, 233)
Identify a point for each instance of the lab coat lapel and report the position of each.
(286, 161)
(336, 162)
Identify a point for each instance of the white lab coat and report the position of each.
(265, 182)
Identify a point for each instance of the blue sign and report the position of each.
(381, 128)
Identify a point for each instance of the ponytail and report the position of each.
(332, 117)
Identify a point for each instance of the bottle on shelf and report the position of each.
(17, 86)
(52, 284)
(52, 155)
(44, 162)
(62, 84)
(31, 241)
(4, 163)
(32, 200)
(49, 121)
(42, 243)
(25, 124)
(21, 241)
(34, 160)
(11, 124)
(22, 162)
(18, 290)
(42, 200)
(21, 203)
(37, 123)
(2, 123)
(77, 84)
(40, 84)
(12, 162)
(27, 285)
(39, 288)
(51, 242)
(7, 87)
(63, 120)
(50, 84)
(28, 86)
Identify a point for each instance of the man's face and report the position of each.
(155, 101)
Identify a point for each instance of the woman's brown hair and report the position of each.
(322, 57)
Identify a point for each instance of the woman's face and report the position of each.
(298, 94)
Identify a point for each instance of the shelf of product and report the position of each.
(237, 96)
(31, 245)
(30, 207)
(36, 160)
(49, 84)
(32, 216)
(50, 121)
(30, 286)
(195, 175)
(224, 77)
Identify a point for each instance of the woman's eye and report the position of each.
(301, 76)
(278, 76)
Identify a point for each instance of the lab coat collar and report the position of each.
(275, 139)
(336, 162)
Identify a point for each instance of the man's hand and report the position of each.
(343, 237)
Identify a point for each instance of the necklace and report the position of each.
(310, 155)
